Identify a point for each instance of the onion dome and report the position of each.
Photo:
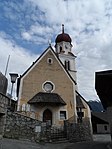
(63, 37)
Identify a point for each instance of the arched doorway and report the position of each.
(47, 117)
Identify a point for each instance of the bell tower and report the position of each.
(63, 43)
(63, 48)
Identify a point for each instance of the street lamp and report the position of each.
(13, 80)
(80, 114)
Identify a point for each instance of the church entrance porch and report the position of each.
(46, 105)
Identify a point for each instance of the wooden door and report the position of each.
(47, 116)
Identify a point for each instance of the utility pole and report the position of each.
(7, 65)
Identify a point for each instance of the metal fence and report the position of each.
(52, 133)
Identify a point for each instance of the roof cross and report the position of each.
(62, 28)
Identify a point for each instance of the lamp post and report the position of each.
(13, 80)
(80, 114)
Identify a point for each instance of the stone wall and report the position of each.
(3, 108)
(77, 132)
(2, 119)
(3, 103)
(3, 83)
(18, 126)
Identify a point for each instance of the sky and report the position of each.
(27, 27)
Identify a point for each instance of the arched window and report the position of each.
(49, 60)
(67, 64)
(60, 49)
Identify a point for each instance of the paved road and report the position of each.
(90, 145)
(99, 143)
(102, 137)
(17, 144)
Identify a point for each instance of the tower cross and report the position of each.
(62, 28)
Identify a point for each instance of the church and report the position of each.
(48, 90)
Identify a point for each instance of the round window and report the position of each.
(48, 87)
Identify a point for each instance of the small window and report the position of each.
(23, 107)
(49, 60)
(60, 49)
(28, 107)
(67, 65)
(62, 115)
(105, 128)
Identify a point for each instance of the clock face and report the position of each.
(48, 87)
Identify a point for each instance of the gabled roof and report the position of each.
(41, 57)
(21, 76)
(35, 62)
(47, 98)
(101, 115)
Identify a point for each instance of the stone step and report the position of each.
(59, 140)
(57, 136)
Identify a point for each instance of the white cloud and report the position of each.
(19, 61)
(26, 36)
(90, 27)
(38, 34)
(95, 55)
(87, 21)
